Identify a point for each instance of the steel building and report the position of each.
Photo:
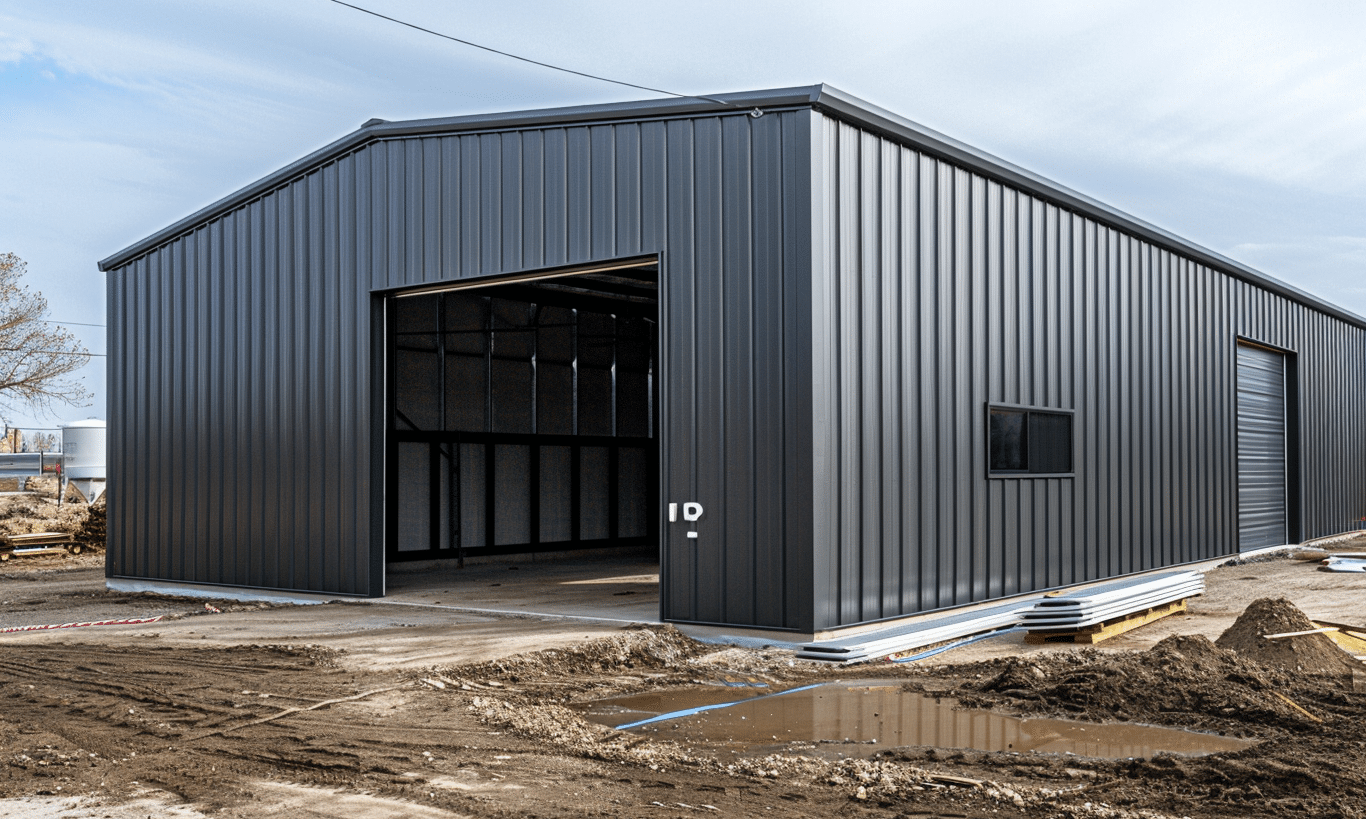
(839, 367)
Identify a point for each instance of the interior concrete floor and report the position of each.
(599, 587)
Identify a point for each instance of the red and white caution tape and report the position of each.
(128, 622)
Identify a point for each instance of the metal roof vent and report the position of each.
(373, 121)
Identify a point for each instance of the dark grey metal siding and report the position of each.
(843, 294)
(943, 290)
(243, 412)
(1261, 448)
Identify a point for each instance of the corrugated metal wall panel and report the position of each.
(831, 425)
(710, 363)
(244, 379)
(995, 296)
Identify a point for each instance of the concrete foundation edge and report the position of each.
(175, 589)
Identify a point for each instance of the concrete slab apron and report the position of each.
(603, 591)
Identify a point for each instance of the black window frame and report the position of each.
(1027, 411)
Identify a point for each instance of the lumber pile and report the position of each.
(37, 543)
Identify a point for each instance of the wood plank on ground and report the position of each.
(1351, 639)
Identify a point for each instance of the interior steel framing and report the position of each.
(446, 443)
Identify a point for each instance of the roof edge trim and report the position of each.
(847, 107)
(800, 96)
(823, 98)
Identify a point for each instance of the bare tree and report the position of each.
(44, 442)
(37, 358)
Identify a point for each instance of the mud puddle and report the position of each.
(859, 718)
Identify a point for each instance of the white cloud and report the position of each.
(1333, 267)
(1240, 124)
(13, 48)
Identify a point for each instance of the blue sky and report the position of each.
(1238, 125)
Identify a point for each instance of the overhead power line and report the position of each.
(535, 62)
(77, 323)
(55, 352)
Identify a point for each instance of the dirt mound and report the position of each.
(26, 514)
(1307, 654)
(1311, 774)
(1183, 680)
(93, 530)
(633, 650)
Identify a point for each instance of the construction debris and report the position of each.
(1351, 639)
(1296, 706)
(1344, 563)
(1320, 630)
(38, 543)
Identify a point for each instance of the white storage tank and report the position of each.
(84, 456)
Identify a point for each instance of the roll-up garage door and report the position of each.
(1261, 448)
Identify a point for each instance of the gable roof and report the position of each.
(823, 98)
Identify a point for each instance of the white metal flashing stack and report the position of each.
(1099, 604)
(1053, 614)
(1345, 563)
(916, 635)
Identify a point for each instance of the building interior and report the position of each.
(523, 417)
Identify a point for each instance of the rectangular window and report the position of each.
(1023, 441)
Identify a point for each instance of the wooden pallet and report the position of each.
(36, 539)
(1110, 628)
(37, 543)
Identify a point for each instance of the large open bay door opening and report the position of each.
(1263, 455)
(523, 416)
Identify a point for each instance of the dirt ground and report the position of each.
(371, 710)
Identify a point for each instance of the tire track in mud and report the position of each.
(124, 720)
(114, 722)
(139, 693)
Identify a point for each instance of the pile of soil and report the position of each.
(93, 531)
(633, 651)
(1185, 681)
(40, 512)
(1306, 654)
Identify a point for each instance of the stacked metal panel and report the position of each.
(881, 643)
(1345, 563)
(1054, 614)
(1110, 601)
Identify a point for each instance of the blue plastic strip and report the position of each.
(922, 655)
(687, 712)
